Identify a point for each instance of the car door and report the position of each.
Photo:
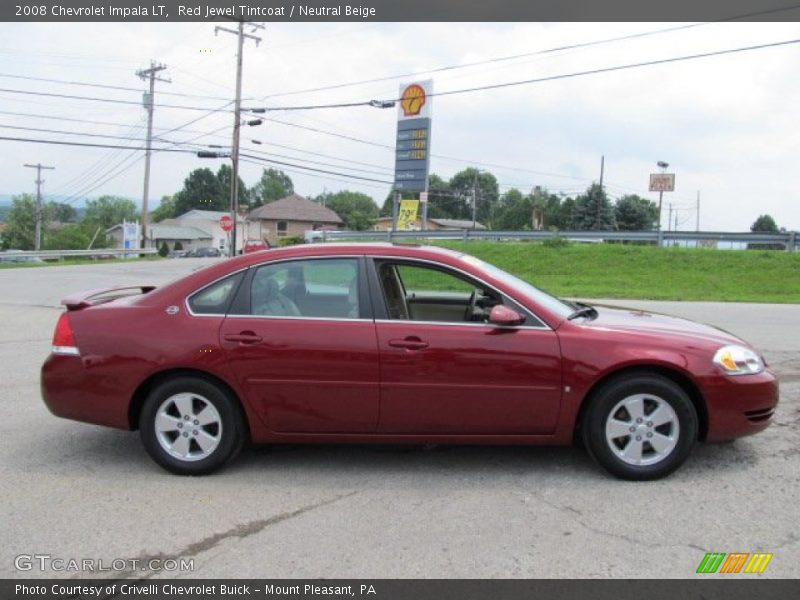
(444, 374)
(301, 341)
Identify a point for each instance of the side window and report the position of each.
(423, 293)
(319, 288)
(215, 298)
(282, 228)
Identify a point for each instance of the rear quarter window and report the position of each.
(214, 299)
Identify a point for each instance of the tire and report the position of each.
(640, 427)
(191, 426)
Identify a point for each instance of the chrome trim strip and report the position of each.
(66, 351)
(489, 326)
(290, 318)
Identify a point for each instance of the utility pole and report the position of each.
(669, 218)
(475, 200)
(239, 31)
(37, 236)
(148, 103)
(599, 200)
(697, 221)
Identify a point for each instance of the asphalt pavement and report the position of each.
(75, 491)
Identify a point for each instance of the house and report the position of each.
(208, 221)
(385, 223)
(157, 233)
(289, 217)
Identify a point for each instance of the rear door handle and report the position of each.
(409, 343)
(244, 337)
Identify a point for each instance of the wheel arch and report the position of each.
(140, 395)
(676, 376)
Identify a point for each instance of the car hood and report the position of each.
(639, 321)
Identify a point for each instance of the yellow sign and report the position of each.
(407, 214)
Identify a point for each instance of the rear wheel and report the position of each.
(191, 426)
(640, 427)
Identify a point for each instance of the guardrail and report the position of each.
(789, 240)
(70, 253)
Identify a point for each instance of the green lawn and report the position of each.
(74, 261)
(647, 272)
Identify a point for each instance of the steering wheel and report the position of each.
(472, 305)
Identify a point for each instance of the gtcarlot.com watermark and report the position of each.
(50, 563)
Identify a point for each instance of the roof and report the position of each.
(209, 215)
(158, 231)
(295, 208)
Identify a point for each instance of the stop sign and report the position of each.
(226, 223)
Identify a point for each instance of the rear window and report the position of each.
(214, 299)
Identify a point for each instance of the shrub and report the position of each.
(163, 250)
(291, 240)
(556, 242)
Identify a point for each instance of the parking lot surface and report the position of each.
(75, 491)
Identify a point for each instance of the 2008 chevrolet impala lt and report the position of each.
(384, 343)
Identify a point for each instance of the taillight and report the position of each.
(63, 339)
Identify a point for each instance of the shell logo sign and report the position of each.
(412, 100)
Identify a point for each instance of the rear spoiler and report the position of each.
(100, 296)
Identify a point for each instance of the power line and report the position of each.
(315, 170)
(85, 144)
(105, 86)
(507, 84)
(97, 99)
(488, 60)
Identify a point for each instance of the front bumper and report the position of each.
(739, 406)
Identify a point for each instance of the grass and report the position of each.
(647, 272)
(74, 261)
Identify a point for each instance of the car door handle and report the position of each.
(409, 343)
(244, 337)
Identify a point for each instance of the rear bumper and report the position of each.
(71, 392)
(739, 406)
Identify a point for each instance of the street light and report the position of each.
(663, 166)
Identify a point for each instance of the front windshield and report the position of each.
(551, 303)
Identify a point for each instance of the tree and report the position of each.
(108, 211)
(485, 187)
(634, 213)
(357, 210)
(165, 210)
(225, 174)
(163, 250)
(61, 212)
(202, 190)
(273, 185)
(593, 211)
(75, 236)
(513, 211)
(764, 223)
(20, 223)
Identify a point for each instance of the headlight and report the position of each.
(737, 360)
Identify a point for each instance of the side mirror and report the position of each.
(502, 315)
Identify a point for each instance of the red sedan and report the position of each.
(382, 343)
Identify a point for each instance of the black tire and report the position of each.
(224, 435)
(653, 390)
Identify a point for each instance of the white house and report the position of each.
(208, 221)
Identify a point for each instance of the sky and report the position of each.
(727, 125)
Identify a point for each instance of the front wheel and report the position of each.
(191, 426)
(640, 427)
